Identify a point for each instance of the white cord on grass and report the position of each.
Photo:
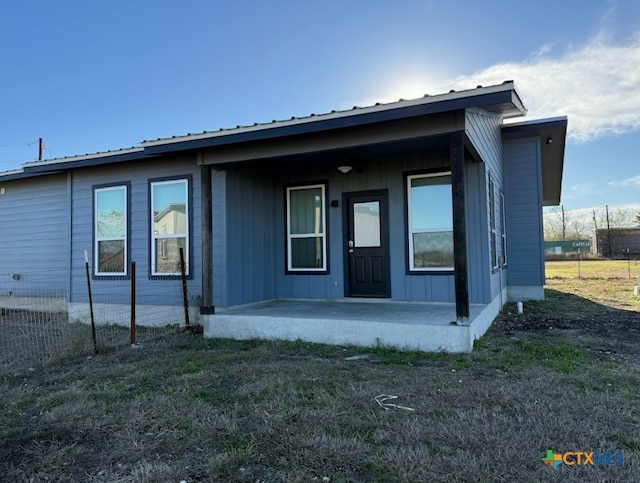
(380, 399)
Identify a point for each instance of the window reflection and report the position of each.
(170, 226)
(110, 230)
(430, 222)
(366, 224)
(306, 249)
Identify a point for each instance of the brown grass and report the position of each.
(564, 376)
(607, 282)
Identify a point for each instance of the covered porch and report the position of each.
(361, 322)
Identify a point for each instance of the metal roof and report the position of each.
(508, 107)
(501, 98)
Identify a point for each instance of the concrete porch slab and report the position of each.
(361, 322)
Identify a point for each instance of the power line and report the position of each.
(19, 145)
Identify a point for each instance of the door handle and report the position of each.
(350, 243)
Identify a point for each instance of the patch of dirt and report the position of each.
(607, 333)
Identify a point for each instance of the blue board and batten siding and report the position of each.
(525, 242)
(246, 269)
(219, 237)
(34, 246)
(249, 235)
(137, 175)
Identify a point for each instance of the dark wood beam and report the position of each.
(207, 306)
(459, 228)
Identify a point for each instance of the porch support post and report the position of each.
(207, 306)
(459, 228)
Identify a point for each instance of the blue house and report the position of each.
(406, 224)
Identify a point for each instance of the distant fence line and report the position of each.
(597, 268)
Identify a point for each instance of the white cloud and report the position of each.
(633, 181)
(579, 190)
(596, 86)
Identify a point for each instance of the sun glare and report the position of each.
(412, 86)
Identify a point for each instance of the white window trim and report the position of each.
(503, 230)
(155, 235)
(96, 250)
(322, 235)
(493, 232)
(411, 229)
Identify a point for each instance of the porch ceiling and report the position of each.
(353, 155)
(393, 136)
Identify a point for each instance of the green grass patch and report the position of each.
(239, 445)
(521, 355)
(212, 395)
(561, 358)
(629, 442)
(192, 363)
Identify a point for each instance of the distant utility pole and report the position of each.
(608, 229)
(40, 146)
(597, 238)
(564, 225)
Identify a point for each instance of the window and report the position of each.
(503, 229)
(492, 223)
(430, 222)
(169, 226)
(306, 229)
(110, 230)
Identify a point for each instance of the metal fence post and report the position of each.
(185, 298)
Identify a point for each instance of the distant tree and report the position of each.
(577, 229)
(111, 224)
(555, 224)
(638, 219)
(560, 224)
(621, 218)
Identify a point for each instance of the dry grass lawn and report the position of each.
(565, 376)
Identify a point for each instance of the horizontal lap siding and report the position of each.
(525, 245)
(35, 236)
(483, 130)
(149, 291)
(477, 239)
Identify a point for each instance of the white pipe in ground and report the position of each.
(520, 307)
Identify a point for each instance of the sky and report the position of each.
(95, 76)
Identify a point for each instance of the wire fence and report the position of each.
(597, 268)
(46, 316)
